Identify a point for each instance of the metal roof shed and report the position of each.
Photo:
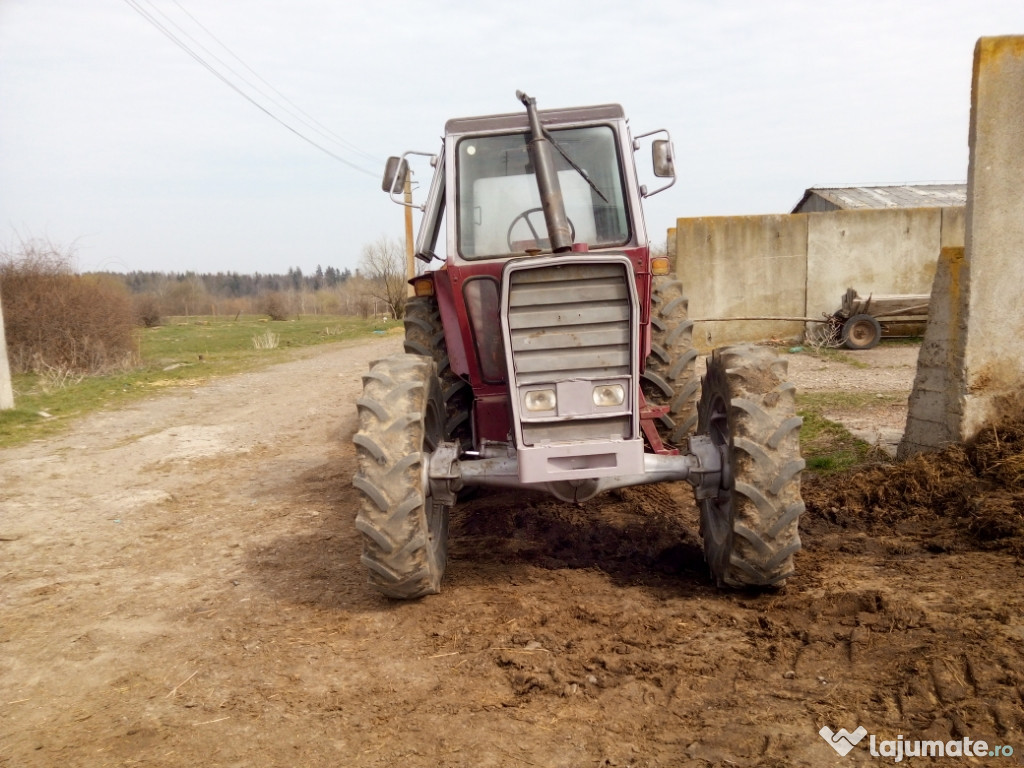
(823, 199)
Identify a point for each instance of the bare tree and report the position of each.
(354, 297)
(186, 296)
(383, 265)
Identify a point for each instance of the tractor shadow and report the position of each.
(644, 536)
(639, 536)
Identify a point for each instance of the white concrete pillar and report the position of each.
(979, 328)
(994, 244)
(6, 392)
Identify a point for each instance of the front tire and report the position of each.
(405, 531)
(750, 527)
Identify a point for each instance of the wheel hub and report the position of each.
(706, 479)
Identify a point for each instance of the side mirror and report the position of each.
(663, 156)
(664, 163)
(396, 173)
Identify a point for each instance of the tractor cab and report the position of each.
(486, 180)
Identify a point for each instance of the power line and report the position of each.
(135, 5)
(295, 110)
(213, 70)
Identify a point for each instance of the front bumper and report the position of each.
(701, 466)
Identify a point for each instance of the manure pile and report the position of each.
(969, 495)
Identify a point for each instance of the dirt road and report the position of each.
(180, 586)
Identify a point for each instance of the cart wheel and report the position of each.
(861, 332)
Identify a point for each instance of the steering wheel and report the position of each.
(538, 241)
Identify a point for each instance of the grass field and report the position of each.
(182, 351)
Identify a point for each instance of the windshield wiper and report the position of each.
(570, 161)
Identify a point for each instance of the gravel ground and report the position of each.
(879, 380)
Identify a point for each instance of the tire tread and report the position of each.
(401, 400)
(756, 547)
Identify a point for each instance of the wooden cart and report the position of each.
(861, 322)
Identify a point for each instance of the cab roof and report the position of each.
(518, 121)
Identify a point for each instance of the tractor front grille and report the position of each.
(572, 322)
(569, 322)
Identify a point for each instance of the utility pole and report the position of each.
(410, 260)
(6, 391)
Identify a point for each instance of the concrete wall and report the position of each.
(743, 266)
(799, 265)
(875, 251)
(954, 224)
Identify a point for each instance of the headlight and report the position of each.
(609, 394)
(540, 400)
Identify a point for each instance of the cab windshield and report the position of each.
(499, 207)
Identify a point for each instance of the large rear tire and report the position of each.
(424, 335)
(405, 531)
(750, 527)
(670, 376)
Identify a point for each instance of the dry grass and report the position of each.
(267, 340)
(997, 453)
(53, 378)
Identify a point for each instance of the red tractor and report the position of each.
(551, 351)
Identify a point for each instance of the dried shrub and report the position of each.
(58, 320)
(146, 307)
(275, 306)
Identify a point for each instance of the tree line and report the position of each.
(238, 284)
(376, 288)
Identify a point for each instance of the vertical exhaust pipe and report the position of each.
(547, 180)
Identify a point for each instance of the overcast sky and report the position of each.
(116, 141)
